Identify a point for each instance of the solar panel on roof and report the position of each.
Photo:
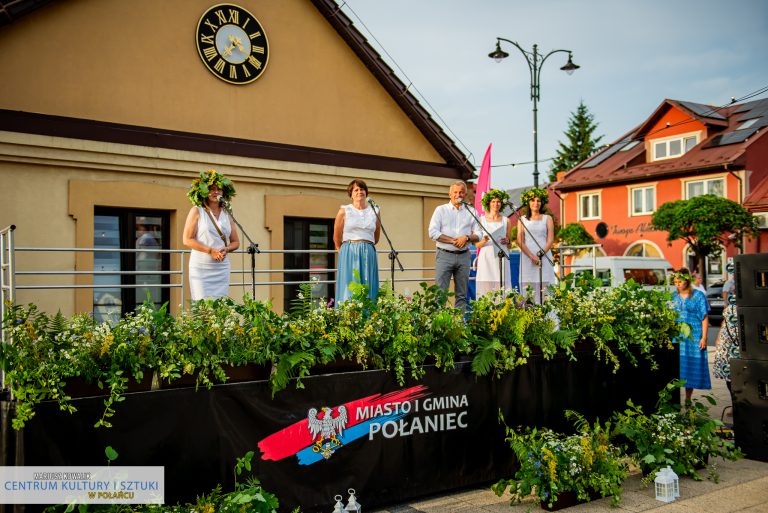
(732, 137)
(704, 111)
(601, 157)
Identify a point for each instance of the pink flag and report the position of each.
(483, 181)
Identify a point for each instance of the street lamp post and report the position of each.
(535, 62)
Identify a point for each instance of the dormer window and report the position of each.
(673, 146)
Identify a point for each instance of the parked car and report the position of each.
(716, 303)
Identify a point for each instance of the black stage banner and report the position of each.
(356, 430)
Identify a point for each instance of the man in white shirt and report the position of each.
(453, 229)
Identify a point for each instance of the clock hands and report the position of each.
(235, 43)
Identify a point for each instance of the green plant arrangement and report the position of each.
(552, 464)
(685, 439)
(395, 333)
(627, 321)
(506, 330)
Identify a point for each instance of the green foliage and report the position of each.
(707, 223)
(627, 321)
(395, 333)
(684, 439)
(551, 463)
(574, 234)
(581, 142)
(506, 330)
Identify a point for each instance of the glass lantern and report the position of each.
(352, 505)
(665, 486)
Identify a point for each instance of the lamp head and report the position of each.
(570, 67)
(498, 54)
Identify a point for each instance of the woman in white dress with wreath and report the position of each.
(536, 256)
(487, 262)
(210, 234)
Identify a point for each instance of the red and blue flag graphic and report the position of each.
(319, 435)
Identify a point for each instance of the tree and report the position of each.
(574, 234)
(707, 223)
(581, 141)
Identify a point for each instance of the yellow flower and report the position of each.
(586, 446)
(551, 462)
(107, 342)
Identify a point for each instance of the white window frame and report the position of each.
(591, 215)
(666, 141)
(705, 181)
(644, 243)
(631, 200)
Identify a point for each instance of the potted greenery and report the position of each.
(559, 470)
(684, 439)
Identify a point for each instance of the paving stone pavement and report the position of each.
(742, 486)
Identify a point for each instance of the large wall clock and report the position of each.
(232, 44)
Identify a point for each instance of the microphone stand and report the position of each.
(541, 253)
(392, 253)
(501, 254)
(253, 247)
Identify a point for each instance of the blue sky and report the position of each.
(633, 55)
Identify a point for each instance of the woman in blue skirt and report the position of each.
(691, 306)
(355, 234)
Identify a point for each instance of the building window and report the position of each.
(671, 148)
(748, 123)
(695, 188)
(643, 249)
(115, 228)
(303, 233)
(643, 200)
(589, 206)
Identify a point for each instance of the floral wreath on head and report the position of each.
(534, 192)
(492, 195)
(680, 275)
(198, 191)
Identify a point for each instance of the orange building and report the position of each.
(682, 150)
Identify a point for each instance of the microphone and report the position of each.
(222, 201)
(370, 201)
(464, 202)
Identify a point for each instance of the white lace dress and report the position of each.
(487, 277)
(529, 273)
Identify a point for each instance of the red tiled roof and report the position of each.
(715, 152)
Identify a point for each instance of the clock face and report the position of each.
(232, 44)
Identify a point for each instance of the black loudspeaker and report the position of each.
(749, 379)
(750, 274)
(753, 332)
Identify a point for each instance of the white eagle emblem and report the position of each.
(325, 430)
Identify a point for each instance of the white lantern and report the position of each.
(665, 486)
(339, 507)
(675, 481)
(352, 504)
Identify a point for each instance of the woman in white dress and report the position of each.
(210, 234)
(542, 229)
(487, 277)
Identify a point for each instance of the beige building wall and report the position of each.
(136, 63)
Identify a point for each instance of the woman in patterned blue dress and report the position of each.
(691, 306)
